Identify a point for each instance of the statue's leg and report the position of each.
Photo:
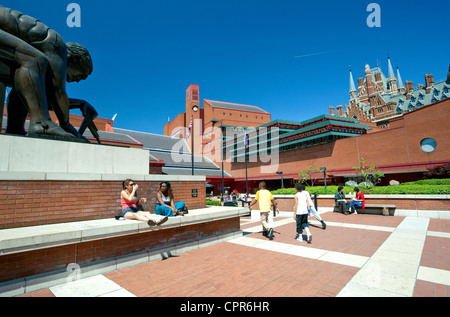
(2, 103)
(17, 114)
(29, 83)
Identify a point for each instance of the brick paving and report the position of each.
(230, 269)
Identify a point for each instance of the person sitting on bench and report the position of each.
(339, 198)
(165, 202)
(359, 201)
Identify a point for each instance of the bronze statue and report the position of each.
(36, 62)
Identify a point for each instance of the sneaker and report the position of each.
(299, 238)
(151, 223)
(162, 220)
(270, 234)
(309, 238)
(324, 225)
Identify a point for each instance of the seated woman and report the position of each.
(359, 201)
(339, 199)
(165, 203)
(129, 205)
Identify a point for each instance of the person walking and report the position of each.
(265, 199)
(314, 212)
(301, 207)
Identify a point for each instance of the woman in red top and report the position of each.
(129, 203)
(358, 201)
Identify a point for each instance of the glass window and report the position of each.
(428, 145)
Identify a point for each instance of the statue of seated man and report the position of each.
(41, 63)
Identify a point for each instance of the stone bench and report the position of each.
(375, 209)
(27, 254)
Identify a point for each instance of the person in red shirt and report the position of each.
(358, 201)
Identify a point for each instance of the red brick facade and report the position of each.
(396, 151)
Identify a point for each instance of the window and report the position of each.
(428, 145)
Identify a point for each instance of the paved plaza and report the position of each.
(356, 256)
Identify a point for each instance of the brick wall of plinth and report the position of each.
(32, 203)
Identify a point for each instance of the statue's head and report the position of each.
(79, 62)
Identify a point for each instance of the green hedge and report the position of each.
(413, 189)
(210, 202)
(445, 181)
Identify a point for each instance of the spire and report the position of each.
(352, 91)
(392, 81)
(390, 70)
(399, 78)
(352, 82)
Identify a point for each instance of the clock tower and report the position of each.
(192, 104)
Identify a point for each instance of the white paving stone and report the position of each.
(434, 275)
(94, 286)
(401, 252)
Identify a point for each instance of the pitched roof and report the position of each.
(419, 97)
(175, 153)
(235, 106)
(155, 141)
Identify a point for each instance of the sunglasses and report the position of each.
(131, 184)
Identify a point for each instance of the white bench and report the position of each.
(18, 243)
(45, 236)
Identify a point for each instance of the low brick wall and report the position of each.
(409, 202)
(39, 202)
(47, 260)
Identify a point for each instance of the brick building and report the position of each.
(390, 125)
(380, 98)
(411, 146)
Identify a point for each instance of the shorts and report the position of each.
(129, 209)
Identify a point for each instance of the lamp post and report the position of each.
(324, 169)
(195, 109)
(282, 181)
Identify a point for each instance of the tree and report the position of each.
(441, 171)
(370, 176)
(305, 176)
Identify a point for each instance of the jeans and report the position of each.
(344, 206)
(166, 211)
(353, 204)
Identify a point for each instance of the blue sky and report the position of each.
(288, 57)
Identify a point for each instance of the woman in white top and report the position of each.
(301, 207)
(165, 202)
